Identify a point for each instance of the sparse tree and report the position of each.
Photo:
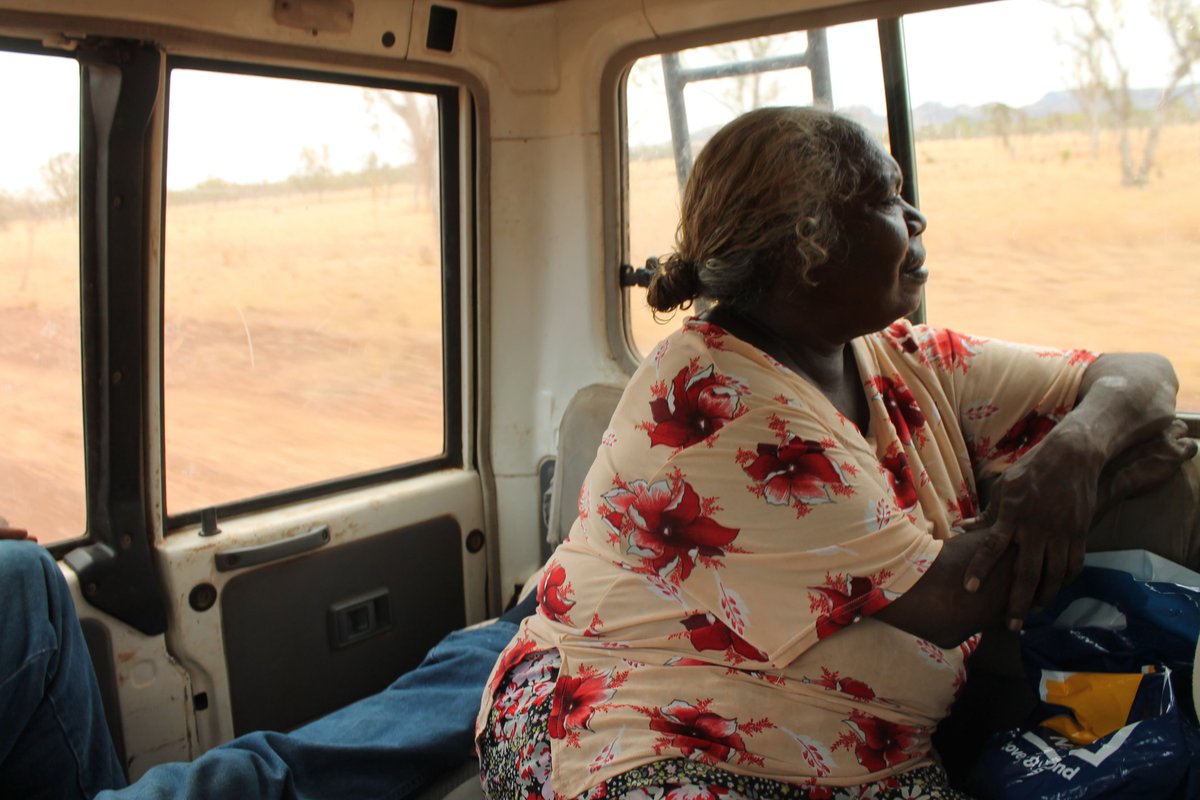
(1181, 18)
(740, 93)
(737, 93)
(1000, 118)
(314, 172)
(1089, 88)
(1101, 70)
(373, 170)
(8, 209)
(419, 115)
(61, 176)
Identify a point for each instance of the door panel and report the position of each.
(261, 654)
(147, 695)
(309, 635)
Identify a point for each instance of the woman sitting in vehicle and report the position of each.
(781, 563)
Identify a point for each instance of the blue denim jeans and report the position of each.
(387, 745)
(54, 741)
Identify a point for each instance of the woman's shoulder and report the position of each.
(695, 336)
(700, 380)
(702, 355)
(926, 346)
(699, 349)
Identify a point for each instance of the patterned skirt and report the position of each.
(515, 751)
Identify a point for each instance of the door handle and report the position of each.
(242, 557)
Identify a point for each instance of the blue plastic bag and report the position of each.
(1112, 663)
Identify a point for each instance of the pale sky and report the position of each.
(1006, 52)
(211, 113)
(994, 52)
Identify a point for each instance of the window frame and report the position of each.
(450, 135)
(615, 150)
(902, 142)
(119, 90)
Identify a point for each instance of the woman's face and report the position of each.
(877, 274)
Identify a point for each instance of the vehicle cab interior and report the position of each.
(316, 310)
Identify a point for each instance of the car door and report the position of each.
(264, 495)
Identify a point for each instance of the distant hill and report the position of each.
(1053, 103)
(938, 115)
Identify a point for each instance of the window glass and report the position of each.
(303, 285)
(41, 401)
(1061, 197)
(716, 90)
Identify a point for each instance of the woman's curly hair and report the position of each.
(764, 195)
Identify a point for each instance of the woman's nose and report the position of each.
(916, 220)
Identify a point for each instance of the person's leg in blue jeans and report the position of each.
(387, 745)
(54, 742)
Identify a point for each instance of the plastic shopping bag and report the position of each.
(1112, 662)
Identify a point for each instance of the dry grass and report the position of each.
(302, 335)
(302, 343)
(298, 332)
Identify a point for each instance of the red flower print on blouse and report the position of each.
(695, 731)
(713, 335)
(951, 350)
(798, 473)
(706, 632)
(907, 417)
(576, 699)
(900, 335)
(879, 744)
(509, 659)
(846, 604)
(665, 525)
(901, 478)
(554, 594)
(696, 406)
(962, 507)
(1021, 438)
(1072, 357)
(851, 686)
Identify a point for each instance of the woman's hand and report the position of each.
(1045, 504)
(938, 609)
(1146, 465)
(1047, 501)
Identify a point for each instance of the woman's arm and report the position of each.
(1124, 399)
(1046, 502)
(939, 609)
(1145, 466)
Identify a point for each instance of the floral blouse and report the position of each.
(736, 533)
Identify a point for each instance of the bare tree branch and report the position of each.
(61, 176)
(1101, 70)
(419, 115)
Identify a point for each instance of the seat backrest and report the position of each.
(583, 424)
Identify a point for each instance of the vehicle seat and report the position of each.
(583, 424)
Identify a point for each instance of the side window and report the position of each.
(41, 402)
(1060, 185)
(676, 101)
(303, 306)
